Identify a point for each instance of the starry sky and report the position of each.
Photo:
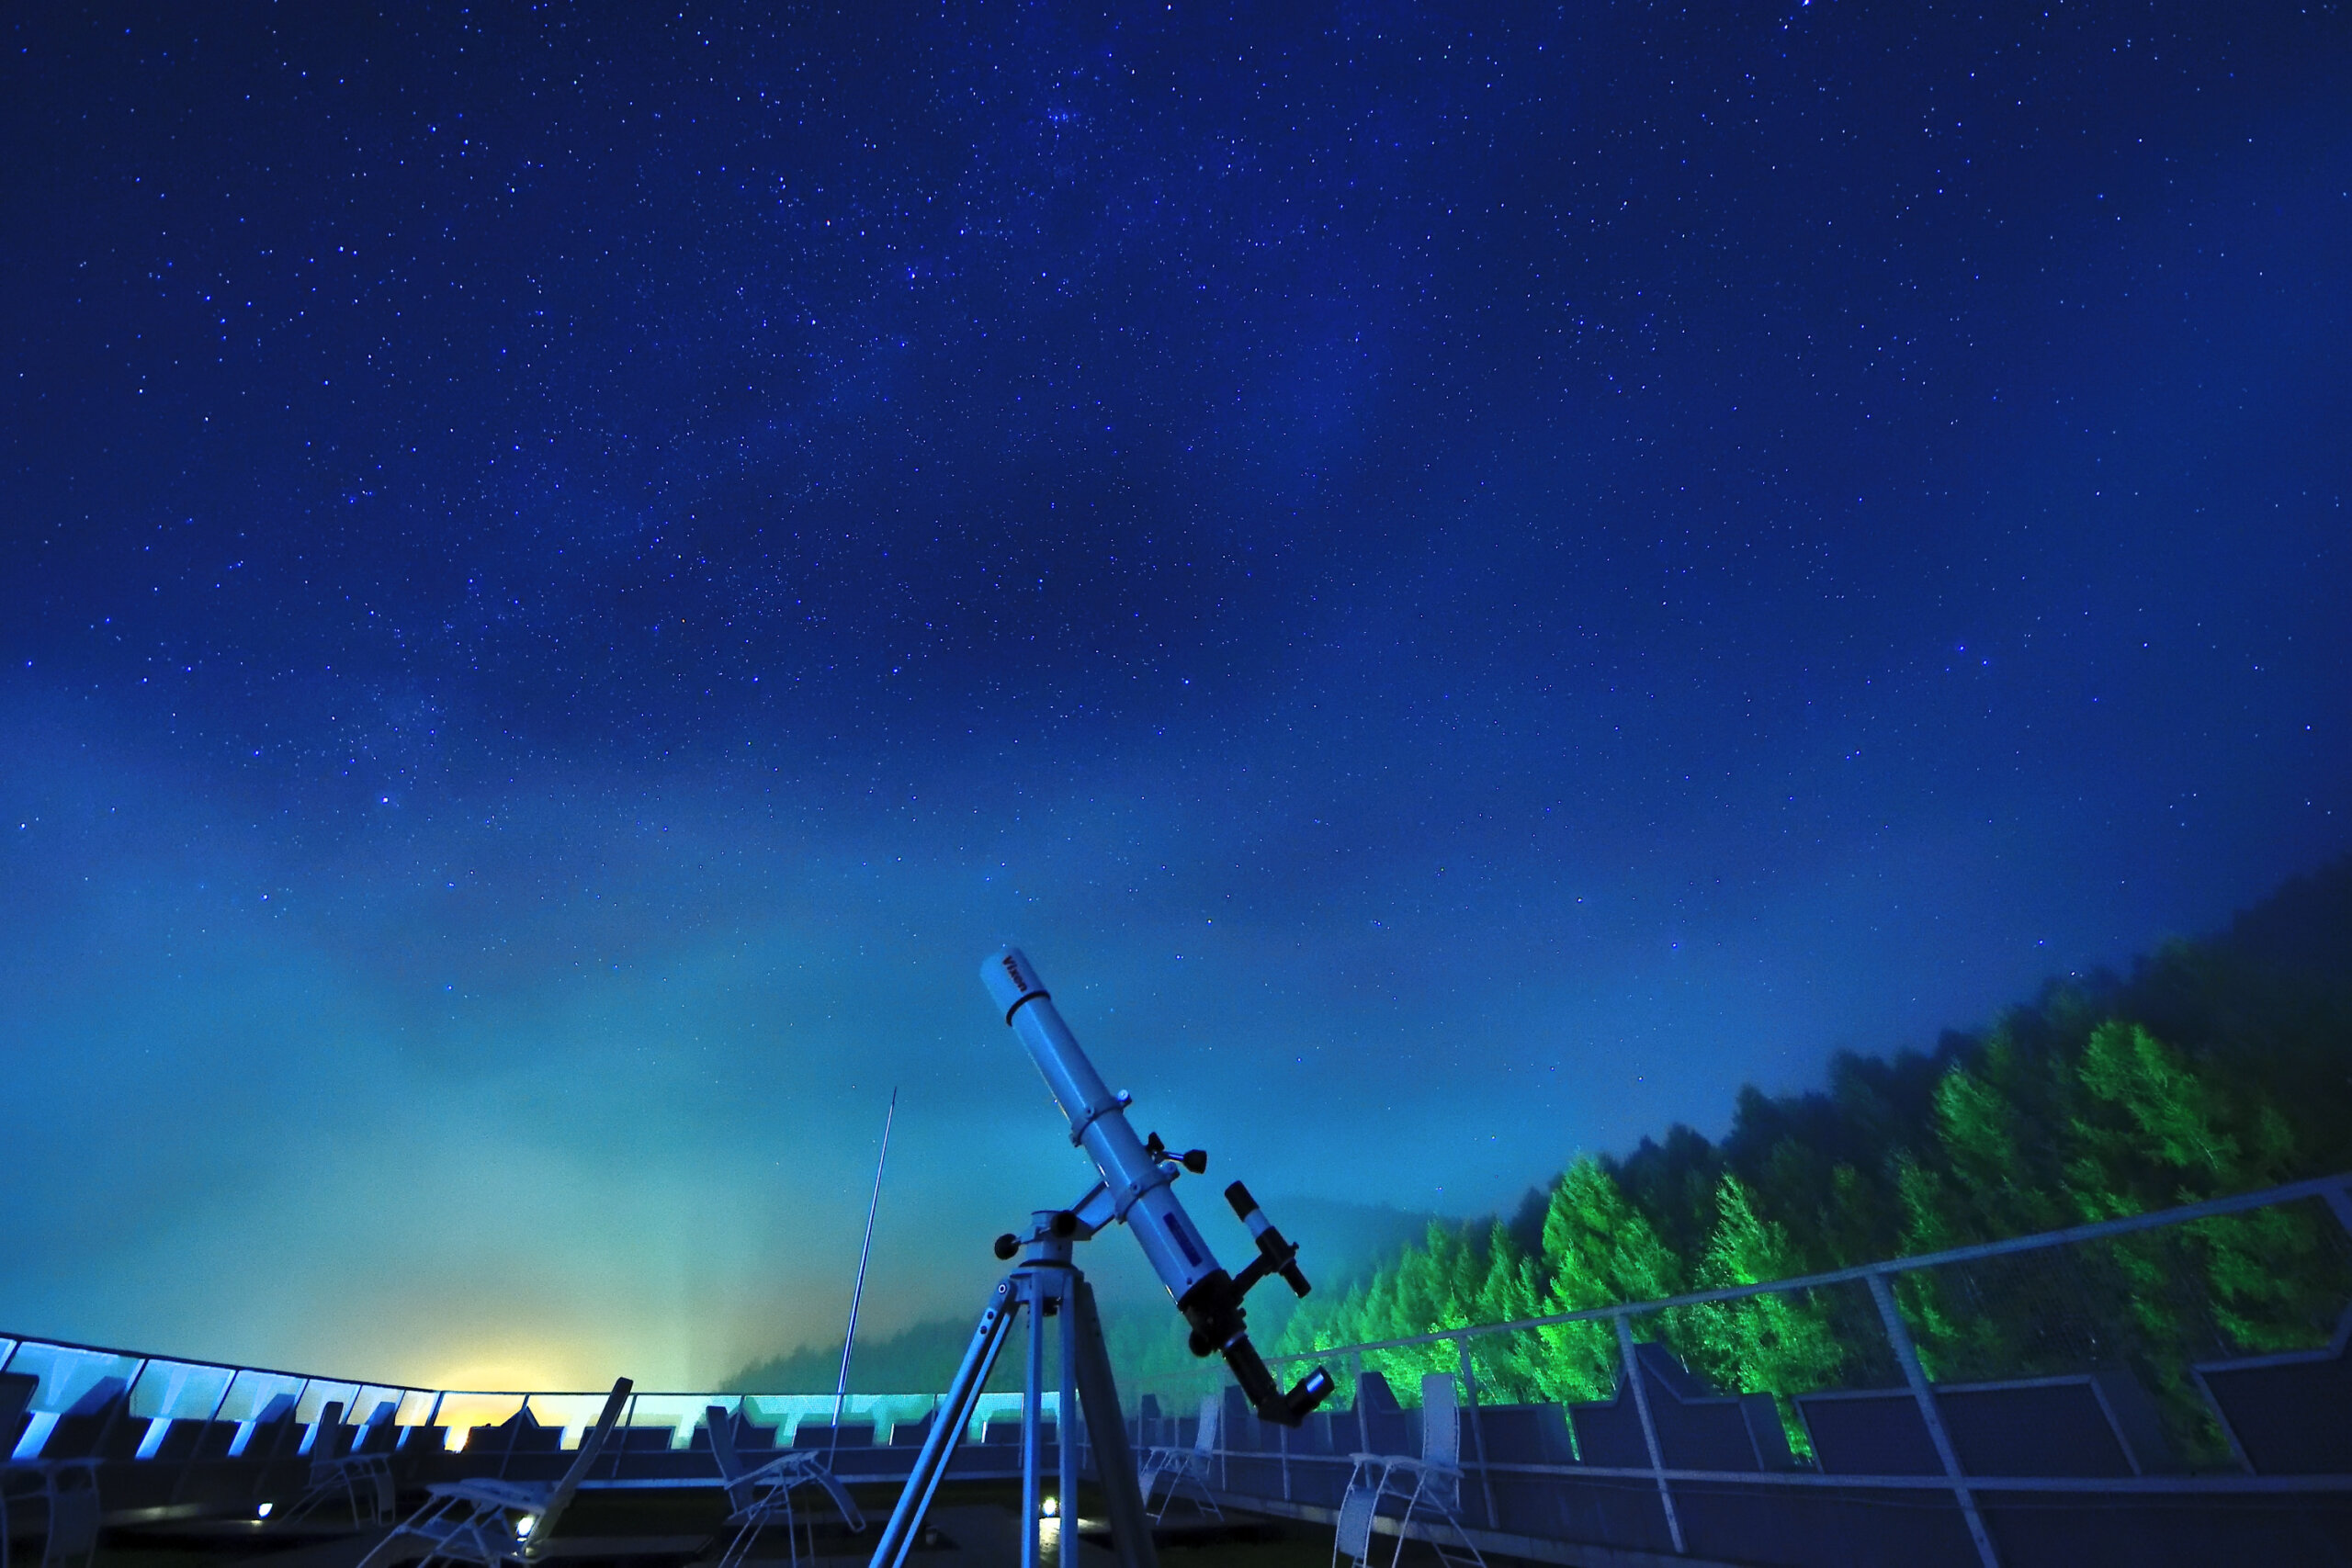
(1464, 580)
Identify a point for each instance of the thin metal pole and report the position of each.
(1630, 1369)
(1356, 1402)
(1899, 1335)
(857, 1292)
(1477, 1429)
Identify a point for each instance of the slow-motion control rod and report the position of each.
(1136, 1187)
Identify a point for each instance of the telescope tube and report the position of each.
(1139, 1188)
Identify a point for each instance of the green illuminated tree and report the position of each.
(1598, 1250)
(1781, 1343)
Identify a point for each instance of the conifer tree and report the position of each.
(1782, 1343)
(1598, 1250)
(2158, 1128)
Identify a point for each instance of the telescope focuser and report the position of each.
(1219, 1329)
(1195, 1160)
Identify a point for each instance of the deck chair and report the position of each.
(67, 1491)
(487, 1522)
(363, 1483)
(1177, 1466)
(1428, 1484)
(760, 1497)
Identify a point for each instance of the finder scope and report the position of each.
(1138, 1188)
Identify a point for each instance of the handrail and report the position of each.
(2337, 1190)
(2328, 1187)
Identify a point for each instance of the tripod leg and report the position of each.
(947, 1428)
(1130, 1531)
(1066, 1430)
(1031, 1402)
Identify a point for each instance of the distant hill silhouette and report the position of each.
(1341, 1244)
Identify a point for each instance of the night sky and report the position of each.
(1465, 582)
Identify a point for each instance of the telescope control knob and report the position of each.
(1006, 1245)
(1195, 1160)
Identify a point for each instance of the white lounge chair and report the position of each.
(487, 1522)
(363, 1482)
(1429, 1484)
(67, 1491)
(1177, 1466)
(761, 1495)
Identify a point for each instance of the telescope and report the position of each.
(1138, 1188)
(1137, 1177)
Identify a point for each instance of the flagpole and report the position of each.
(849, 1340)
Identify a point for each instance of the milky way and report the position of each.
(1464, 584)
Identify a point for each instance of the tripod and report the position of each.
(1049, 1285)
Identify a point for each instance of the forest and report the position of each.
(2216, 1066)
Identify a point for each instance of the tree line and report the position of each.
(2216, 1066)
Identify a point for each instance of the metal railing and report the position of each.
(160, 1390)
(2142, 1292)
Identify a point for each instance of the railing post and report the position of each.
(1630, 1370)
(1281, 1435)
(1899, 1335)
(1477, 1429)
(514, 1435)
(2339, 1199)
(117, 1409)
(1224, 1446)
(187, 1466)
